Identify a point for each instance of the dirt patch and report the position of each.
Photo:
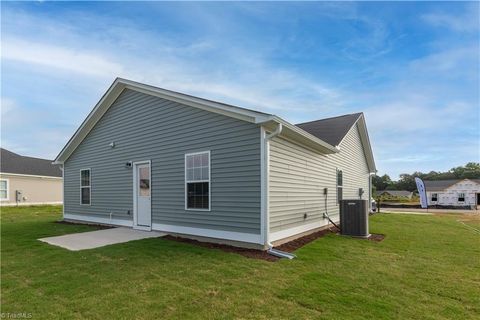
(99, 226)
(376, 237)
(249, 253)
(300, 242)
(253, 253)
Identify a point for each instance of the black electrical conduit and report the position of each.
(326, 213)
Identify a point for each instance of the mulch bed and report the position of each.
(376, 237)
(99, 226)
(249, 253)
(290, 246)
(254, 253)
(300, 242)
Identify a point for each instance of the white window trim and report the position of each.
(464, 196)
(337, 186)
(193, 181)
(8, 190)
(90, 186)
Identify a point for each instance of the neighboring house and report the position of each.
(460, 192)
(395, 193)
(29, 181)
(155, 159)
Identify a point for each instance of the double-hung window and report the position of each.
(339, 185)
(461, 197)
(434, 197)
(85, 187)
(3, 189)
(197, 181)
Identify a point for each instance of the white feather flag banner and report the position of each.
(422, 192)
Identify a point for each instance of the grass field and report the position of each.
(428, 267)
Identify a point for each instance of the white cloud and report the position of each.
(461, 59)
(468, 21)
(405, 108)
(267, 88)
(8, 105)
(69, 59)
(19, 124)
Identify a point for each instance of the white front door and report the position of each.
(143, 189)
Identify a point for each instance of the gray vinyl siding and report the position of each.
(145, 127)
(298, 175)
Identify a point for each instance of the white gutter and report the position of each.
(271, 250)
(275, 133)
(308, 136)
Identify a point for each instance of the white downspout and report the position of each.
(270, 250)
(269, 137)
(275, 133)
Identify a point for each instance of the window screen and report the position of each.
(197, 180)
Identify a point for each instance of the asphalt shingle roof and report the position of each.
(331, 130)
(396, 193)
(14, 163)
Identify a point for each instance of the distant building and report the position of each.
(396, 193)
(460, 192)
(29, 181)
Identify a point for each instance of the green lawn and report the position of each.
(428, 267)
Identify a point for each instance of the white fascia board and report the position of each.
(119, 85)
(117, 88)
(97, 112)
(367, 147)
(30, 176)
(209, 105)
(299, 135)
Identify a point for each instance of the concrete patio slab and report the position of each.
(99, 238)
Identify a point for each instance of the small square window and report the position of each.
(461, 197)
(434, 197)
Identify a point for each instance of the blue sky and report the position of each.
(412, 68)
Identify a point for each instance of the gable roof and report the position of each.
(269, 121)
(14, 163)
(440, 185)
(396, 193)
(119, 85)
(331, 130)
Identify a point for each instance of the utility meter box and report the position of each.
(18, 195)
(354, 217)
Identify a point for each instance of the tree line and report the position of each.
(407, 181)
